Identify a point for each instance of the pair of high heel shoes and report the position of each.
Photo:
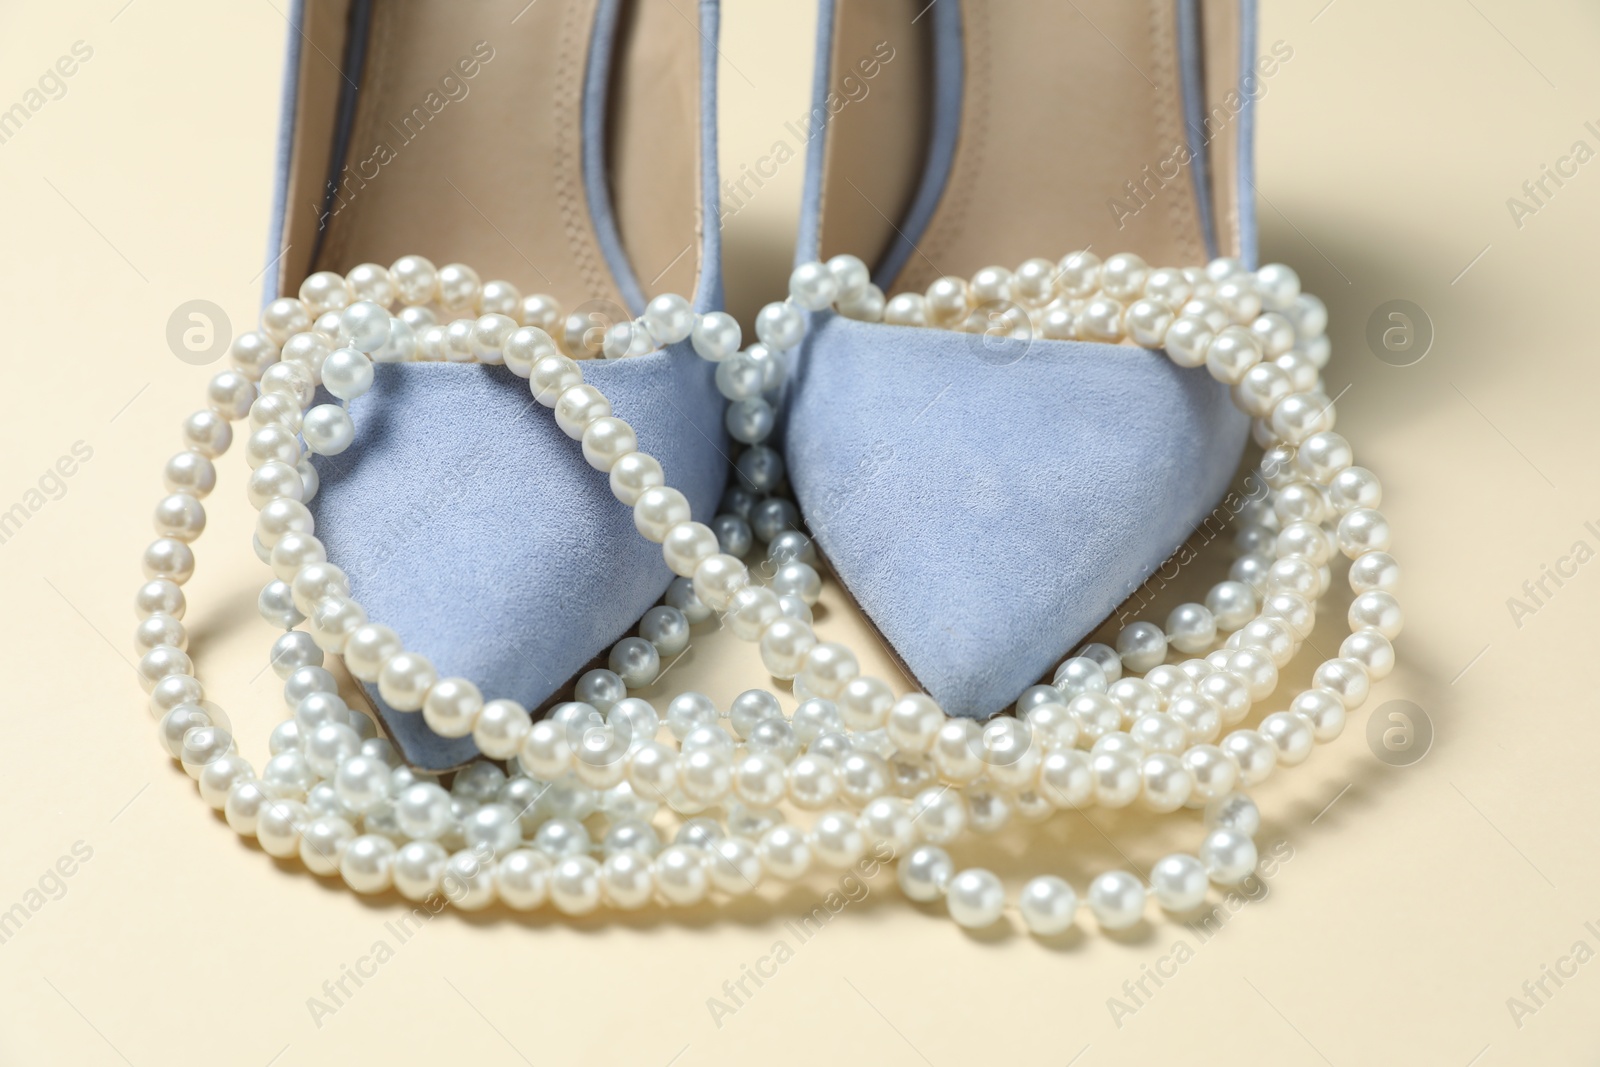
(986, 503)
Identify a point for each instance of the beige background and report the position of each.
(1416, 901)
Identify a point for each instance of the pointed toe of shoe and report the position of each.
(988, 504)
(470, 523)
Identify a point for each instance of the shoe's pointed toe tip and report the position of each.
(472, 525)
(988, 507)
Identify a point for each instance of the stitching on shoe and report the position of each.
(950, 220)
(1168, 105)
(567, 103)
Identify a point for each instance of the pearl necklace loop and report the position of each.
(895, 777)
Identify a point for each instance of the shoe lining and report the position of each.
(1089, 159)
(467, 145)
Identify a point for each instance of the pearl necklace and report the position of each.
(1093, 736)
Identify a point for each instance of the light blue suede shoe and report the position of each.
(569, 147)
(989, 501)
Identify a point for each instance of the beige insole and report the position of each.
(1063, 105)
(487, 169)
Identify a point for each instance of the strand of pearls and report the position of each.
(915, 779)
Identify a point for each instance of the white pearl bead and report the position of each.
(1229, 856)
(1213, 772)
(785, 852)
(468, 881)
(1291, 734)
(578, 407)
(1298, 416)
(1325, 711)
(1232, 353)
(404, 680)
(423, 811)
(1078, 274)
(939, 815)
(1148, 323)
(836, 839)
(522, 879)
(669, 318)
(1048, 905)
(323, 842)
(292, 385)
(1065, 778)
(367, 865)
(367, 648)
(252, 353)
(418, 869)
(685, 545)
(1236, 812)
(1188, 340)
(914, 722)
(975, 898)
(207, 433)
(460, 289)
(946, 301)
(813, 287)
(1355, 487)
(551, 378)
(906, 309)
(715, 336)
(1142, 646)
(160, 662)
(1167, 782)
(733, 865)
(680, 875)
(784, 647)
(1255, 755)
(813, 783)
(780, 326)
(634, 473)
(1179, 882)
(627, 880)
(278, 827)
(191, 473)
(347, 374)
(1191, 628)
(1232, 604)
(1344, 677)
(1370, 648)
(245, 800)
(1373, 570)
(658, 510)
(925, 873)
(888, 821)
(606, 440)
(1117, 900)
(363, 783)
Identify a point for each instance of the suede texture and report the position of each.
(988, 502)
(463, 515)
(468, 521)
